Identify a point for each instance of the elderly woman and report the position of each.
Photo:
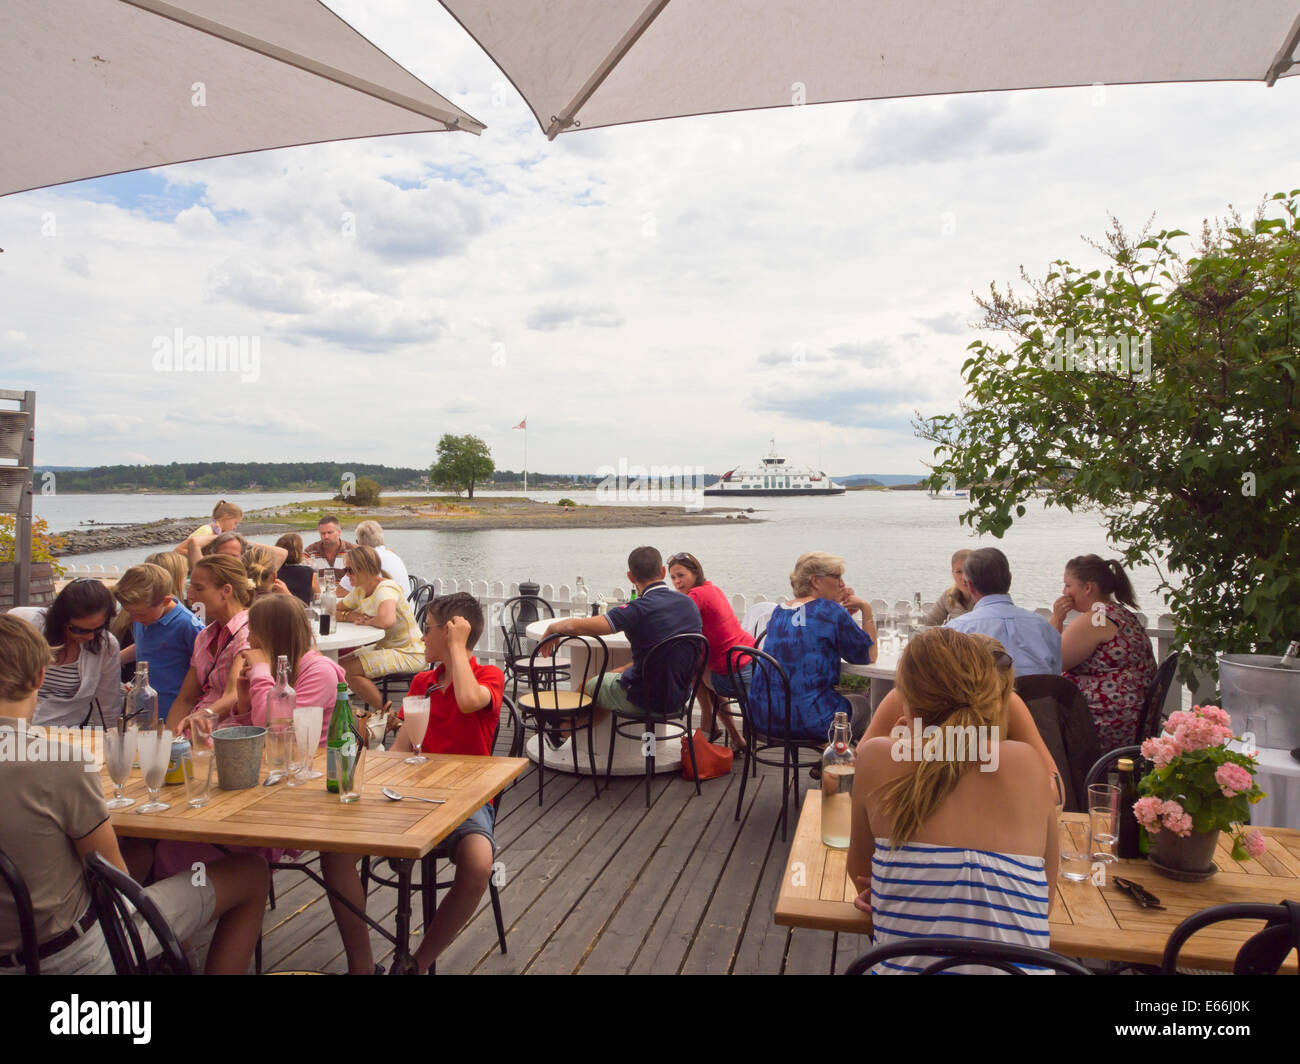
(86, 670)
(1105, 650)
(955, 839)
(377, 602)
(956, 600)
(809, 636)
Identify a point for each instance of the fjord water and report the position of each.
(894, 543)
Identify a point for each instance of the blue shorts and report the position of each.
(479, 822)
(722, 684)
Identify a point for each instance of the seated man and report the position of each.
(330, 551)
(464, 704)
(1034, 645)
(55, 816)
(657, 613)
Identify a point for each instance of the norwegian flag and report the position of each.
(522, 425)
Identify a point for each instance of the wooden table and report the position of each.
(310, 818)
(1087, 920)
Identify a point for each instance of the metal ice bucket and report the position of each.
(1261, 698)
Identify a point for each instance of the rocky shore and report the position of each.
(462, 516)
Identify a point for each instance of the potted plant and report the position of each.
(1197, 788)
(40, 591)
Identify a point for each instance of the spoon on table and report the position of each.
(397, 796)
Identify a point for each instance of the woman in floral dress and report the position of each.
(1105, 650)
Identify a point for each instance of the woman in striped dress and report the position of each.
(954, 828)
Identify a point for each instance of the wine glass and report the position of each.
(307, 722)
(119, 748)
(155, 751)
(416, 713)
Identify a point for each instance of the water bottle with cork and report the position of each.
(837, 785)
(142, 703)
(916, 616)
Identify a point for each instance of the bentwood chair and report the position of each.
(951, 952)
(767, 726)
(116, 894)
(420, 597)
(670, 672)
(429, 886)
(26, 916)
(1262, 953)
(516, 614)
(1153, 704)
(1101, 768)
(551, 711)
(401, 681)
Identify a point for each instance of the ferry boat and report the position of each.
(775, 476)
(947, 493)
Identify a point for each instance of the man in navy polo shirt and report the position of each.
(655, 614)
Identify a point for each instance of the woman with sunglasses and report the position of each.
(86, 670)
(376, 601)
(723, 632)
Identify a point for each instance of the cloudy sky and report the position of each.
(667, 293)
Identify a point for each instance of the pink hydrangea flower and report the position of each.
(1158, 751)
(1147, 811)
(1233, 779)
(1254, 841)
(1217, 715)
(1176, 819)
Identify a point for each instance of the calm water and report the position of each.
(893, 543)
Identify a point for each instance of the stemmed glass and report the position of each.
(119, 746)
(306, 725)
(416, 713)
(155, 751)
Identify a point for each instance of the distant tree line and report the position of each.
(236, 477)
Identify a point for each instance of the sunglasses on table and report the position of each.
(1138, 893)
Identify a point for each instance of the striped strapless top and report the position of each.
(919, 891)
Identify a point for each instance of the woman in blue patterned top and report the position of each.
(809, 636)
(954, 830)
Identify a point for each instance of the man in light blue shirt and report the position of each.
(1034, 645)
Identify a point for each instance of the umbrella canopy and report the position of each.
(95, 87)
(593, 63)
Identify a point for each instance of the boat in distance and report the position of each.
(775, 476)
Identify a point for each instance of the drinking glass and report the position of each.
(351, 760)
(293, 751)
(198, 781)
(902, 629)
(416, 712)
(1076, 864)
(1103, 816)
(277, 761)
(307, 722)
(155, 751)
(119, 750)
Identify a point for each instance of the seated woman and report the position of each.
(956, 839)
(221, 593)
(278, 626)
(298, 577)
(1105, 650)
(809, 636)
(87, 668)
(723, 632)
(262, 566)
(956, 600)
(377, 602)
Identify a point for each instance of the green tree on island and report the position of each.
(1159, 392)
(462, 462)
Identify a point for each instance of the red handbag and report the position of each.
(713, 760)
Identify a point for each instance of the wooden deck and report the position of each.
(605, 886)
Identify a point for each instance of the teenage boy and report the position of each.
(164, 630)
(55, 816)
(464, 705)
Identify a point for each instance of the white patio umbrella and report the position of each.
(93, 87)
(590, 63)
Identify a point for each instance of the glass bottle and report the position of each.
(1126, 845)
(328, 602)
(916, 615)
(283, 698)
(1291, 659)
(342, 729)
(142, 703)
(837, 785)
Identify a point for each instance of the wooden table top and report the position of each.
(1100, 922)
(310, 818)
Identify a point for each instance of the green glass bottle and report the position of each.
(342, 725)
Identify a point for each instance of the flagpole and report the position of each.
(525, 457)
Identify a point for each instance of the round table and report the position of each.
(629, 759)
(880, 672)
(344, 635)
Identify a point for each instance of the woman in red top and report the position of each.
(723, 632)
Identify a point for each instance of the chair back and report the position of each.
(670, 672)
(1101, 767)
(1069, 732)
(116, 896)
(1262, 953)
(764, 696)
(951, 952)
(1153, 704)
(26, 916)
(756, 617)
(516, 615)
(413, 581)
(592, 651)
(420, 598)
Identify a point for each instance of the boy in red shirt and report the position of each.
(464, 705)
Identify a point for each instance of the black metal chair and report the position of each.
(115, 893)
(669, 706)
(769, 677)
(1152, 716)
(402, 680)
(420, 597)
(26, 916)
(1262, 953)
(1068, 730)
(516, 615)
(429, 863)
(553, 709)
(414, 582)
(951, 952)
(1100, 770)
